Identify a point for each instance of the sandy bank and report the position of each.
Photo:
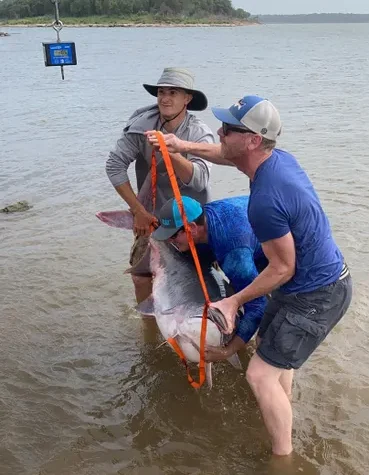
(134, 25)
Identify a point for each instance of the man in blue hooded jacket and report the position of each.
(223, 226)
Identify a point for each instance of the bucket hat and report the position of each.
(181, 78)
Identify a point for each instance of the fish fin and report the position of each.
(209, 375)
(116, 219)
(174, 337)
(161, 344)
(235, 361)
(146, 307)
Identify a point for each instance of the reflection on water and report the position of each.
(84, 388)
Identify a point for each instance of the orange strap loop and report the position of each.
(153, 189)
(153, 180)
(177, 196)
(182, 357)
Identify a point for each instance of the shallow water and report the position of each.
(83, 390)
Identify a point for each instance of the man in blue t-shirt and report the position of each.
(222, 226)
(310, 283)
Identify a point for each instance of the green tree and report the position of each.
(78, 8)
(222, 7)
(242, 14)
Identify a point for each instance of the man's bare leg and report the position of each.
(286, 382)
(143, 287)
(275, 407)
(286, 377)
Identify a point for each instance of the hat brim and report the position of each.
(224, 115)
(199, 101)
(162, 233)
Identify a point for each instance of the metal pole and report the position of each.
(56, 2)
(58, 25)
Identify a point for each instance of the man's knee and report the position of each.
(253, 376)
(260, 374)
(254, 373)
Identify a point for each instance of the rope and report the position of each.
(177, 196)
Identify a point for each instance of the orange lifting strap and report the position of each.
(177, 195)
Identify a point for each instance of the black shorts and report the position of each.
(294, 325)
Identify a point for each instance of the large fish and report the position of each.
(177, 299)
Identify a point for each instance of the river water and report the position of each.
(83, 391)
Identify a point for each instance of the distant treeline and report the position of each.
(14, 9)
(316, 18)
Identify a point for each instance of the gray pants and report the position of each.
(294, 325)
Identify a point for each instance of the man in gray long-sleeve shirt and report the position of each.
(175, 95)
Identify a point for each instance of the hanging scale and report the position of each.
(59, 53)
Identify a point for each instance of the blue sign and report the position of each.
(60, 54)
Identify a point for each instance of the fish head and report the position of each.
(163, 254)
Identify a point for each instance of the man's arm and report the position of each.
(183, 168)
(209, 151)
(119, 160)
(193, 171)
(239, 267)
(219, 353)
(281, 255)
(142, 219)
(212, 152)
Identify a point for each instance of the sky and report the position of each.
(289, 7)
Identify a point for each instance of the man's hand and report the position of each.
(229, 307)
(217, 353)
(142, 221)
(173, 143)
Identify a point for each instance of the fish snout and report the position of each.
(216, 316)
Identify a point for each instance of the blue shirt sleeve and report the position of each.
(239, 266)
(268, 218)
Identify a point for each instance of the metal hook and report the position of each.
(57, 25)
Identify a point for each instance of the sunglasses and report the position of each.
(226, 128)
(177, 232)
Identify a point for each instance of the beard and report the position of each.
(227, 153)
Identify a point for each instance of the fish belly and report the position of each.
(190, 334)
